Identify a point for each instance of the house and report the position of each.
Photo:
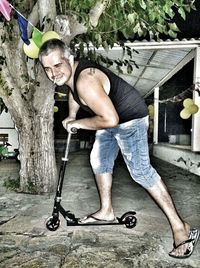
(8, 133)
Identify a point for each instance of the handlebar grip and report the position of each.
(74, 130)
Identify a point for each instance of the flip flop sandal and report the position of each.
(192, 241)
(94, 220)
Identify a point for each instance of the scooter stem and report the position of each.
(73, 131)
(65, 158)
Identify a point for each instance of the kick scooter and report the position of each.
(53, 222)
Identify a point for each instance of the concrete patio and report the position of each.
(26, 243)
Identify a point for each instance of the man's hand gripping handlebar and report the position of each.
(73, 130)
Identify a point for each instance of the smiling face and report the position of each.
(57, 67)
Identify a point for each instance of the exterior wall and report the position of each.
(174, 133)
(7, 127)
(178, 155)
(171, 125)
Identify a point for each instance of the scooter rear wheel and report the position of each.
(52, 223)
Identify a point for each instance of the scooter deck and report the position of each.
(128, 219)
(97, 222)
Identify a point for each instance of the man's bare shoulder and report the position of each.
(89, 76)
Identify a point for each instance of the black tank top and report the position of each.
(126, 99)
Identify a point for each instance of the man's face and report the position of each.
(57, 67)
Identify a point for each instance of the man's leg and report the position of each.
(134, 147)
(104, 185)
(104, 152)
(180, 229)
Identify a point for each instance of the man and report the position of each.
(121, 122)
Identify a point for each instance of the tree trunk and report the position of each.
(29, 97)
(34, 117)
(38, 169)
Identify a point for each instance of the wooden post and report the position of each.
(195, 136)
(156, 115)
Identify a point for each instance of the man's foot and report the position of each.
(98, 217)
(185, 248)
(90, 219)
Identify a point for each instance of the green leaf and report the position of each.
(181, 11)
(142, 4)
(173, 27)
(125, 33)
(187, 8)
(160, 27)
(135, 29)
(152, 16)
(98, 38)
(122, 3)
(140, 31)
(151, 34)
(193, 7)
(168, 10)
(105, 46)
(131, 17)
(172, 34)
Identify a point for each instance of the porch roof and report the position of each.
(157, 61)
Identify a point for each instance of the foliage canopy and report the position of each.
(125, 19)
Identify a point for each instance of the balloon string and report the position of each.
(24, 18)
(177, 98)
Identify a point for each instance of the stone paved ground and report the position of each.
(26, 243)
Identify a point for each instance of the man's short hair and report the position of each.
(52, 45)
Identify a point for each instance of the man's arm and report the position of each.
(91, 92)
(73, 107)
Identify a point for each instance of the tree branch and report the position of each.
(47, 12)
(11, 97)
(96, 11)
(68, 27)
(34, 16)
(14, 59)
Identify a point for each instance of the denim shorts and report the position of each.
(131, 138)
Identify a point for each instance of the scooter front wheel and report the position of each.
(52, 223)
(129, 219)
